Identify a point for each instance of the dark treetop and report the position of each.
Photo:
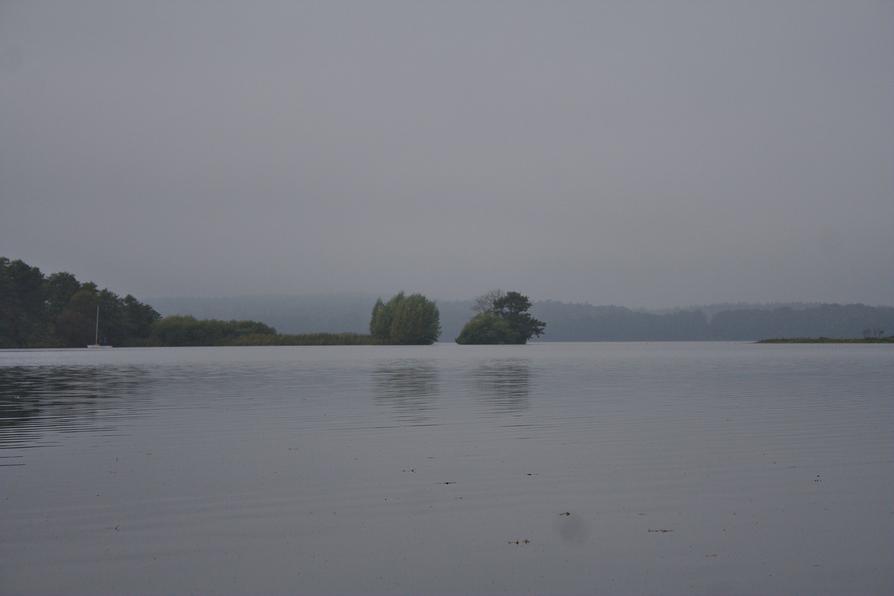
(502, 319)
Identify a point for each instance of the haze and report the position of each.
(646, 154)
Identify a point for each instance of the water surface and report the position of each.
(663, 468)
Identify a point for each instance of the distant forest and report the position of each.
(565, 321)
(57, 310)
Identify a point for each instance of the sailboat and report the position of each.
(96, 345)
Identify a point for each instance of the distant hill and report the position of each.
(565, 321)
(712, 309)
(585, 322)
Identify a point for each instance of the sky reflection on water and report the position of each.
(560, 468)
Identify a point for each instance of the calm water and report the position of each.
(690, 468)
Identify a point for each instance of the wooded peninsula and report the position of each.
(58, 311)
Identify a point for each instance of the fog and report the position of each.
(637, 153)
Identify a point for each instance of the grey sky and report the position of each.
(640, 153)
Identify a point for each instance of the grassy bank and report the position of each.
(829, 340)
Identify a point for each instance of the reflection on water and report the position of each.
(560, 468)
(409, 386)
(62, 398)
(504, 385)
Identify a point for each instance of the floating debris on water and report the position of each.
(659, 530)
(525, 541)
(566, 513)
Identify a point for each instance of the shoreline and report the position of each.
(828, 340)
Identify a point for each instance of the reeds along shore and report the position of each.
(306, 339)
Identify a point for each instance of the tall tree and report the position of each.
(76, 323)
(22, 309)
(405, 320)
(416, 321)
(379, 323)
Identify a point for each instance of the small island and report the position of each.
(501, 319)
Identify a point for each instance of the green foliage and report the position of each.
(488, 328)
(306, 339)
(405, 320)
(513, 307)
(59, 311)
(188, 331)
(416, 321)
(22, 320)
(380, 322)
(58, 290)
(76, 323)
(504, 320)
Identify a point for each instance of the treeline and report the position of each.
(307, 339)
(178, 330)
(301, 314)
(584, 322)
(188, 331)
(58, 311)
(565, 321)
(37, 310)
(403, 320)
(827, 320)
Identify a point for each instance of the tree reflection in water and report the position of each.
(409, 386)
(66, 398)
(503, 385)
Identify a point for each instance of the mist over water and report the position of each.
(562, 468)
(635, 153)
(291, 162)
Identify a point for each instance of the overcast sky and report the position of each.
(639, 153)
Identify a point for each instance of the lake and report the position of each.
(615, 468)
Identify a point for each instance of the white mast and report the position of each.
(96, 341)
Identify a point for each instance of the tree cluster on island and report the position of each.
(405, 320)
(502, 318)
(309, 314)
(57, 310)
(40, 311)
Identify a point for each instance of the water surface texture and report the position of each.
(687, 468)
